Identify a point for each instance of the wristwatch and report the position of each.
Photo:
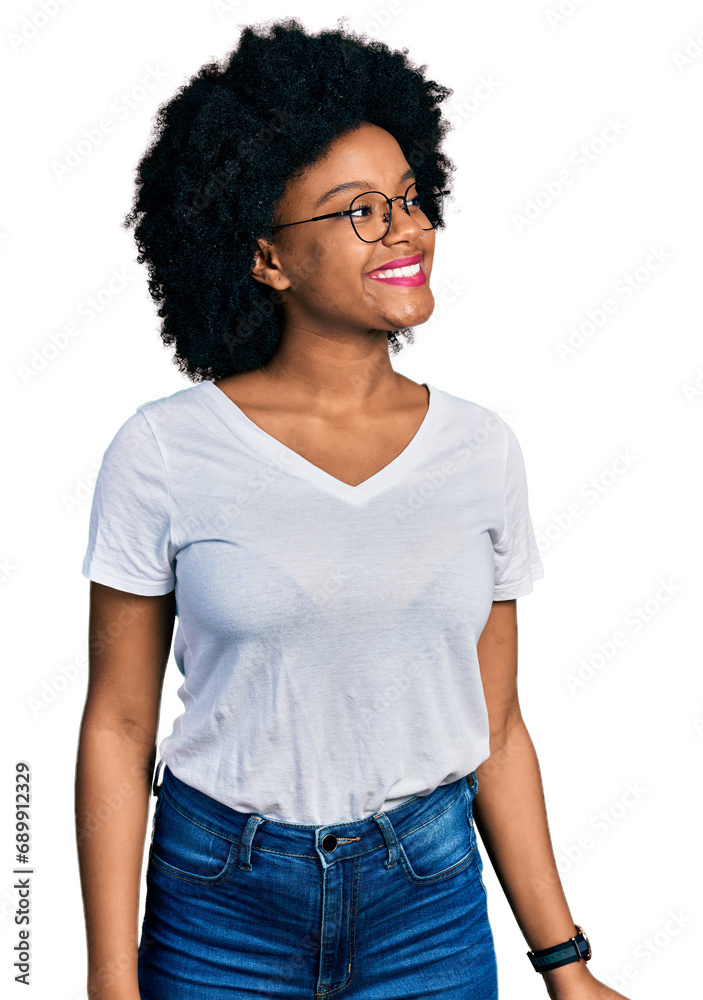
(576, 948)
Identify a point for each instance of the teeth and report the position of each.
(399, 272)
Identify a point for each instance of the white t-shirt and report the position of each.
(326, 632)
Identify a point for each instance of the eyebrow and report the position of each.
(350, 185)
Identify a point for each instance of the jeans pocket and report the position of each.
(187, 849)
(439, 848)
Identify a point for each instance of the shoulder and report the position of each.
(161, 420)
(476, 424)
(153, 424)
(165, 409)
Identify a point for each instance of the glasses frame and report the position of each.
(348, 212)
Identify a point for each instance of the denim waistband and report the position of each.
(331, 843)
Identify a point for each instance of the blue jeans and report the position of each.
(392, 906)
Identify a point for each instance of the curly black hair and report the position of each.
(223, 148)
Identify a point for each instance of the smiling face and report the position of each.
(322, 270)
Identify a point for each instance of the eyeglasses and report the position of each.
(371, 213)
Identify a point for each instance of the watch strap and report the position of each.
(573, 950)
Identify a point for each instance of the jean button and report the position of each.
(329, 842)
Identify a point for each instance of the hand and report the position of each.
(582, 986)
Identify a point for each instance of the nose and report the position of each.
(403, 227)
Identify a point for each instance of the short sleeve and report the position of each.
(129, 544)
(517, 560)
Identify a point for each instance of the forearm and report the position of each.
(112, 798)
(511, 816)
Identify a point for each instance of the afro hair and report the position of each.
(221, 152)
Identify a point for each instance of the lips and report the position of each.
(400, 262)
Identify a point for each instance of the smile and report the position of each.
(410, 275)
(397, 272)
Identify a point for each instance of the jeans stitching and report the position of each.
(436, 816)
(185, 876)
(480, 876)
(330, 992)
(163, 866)
(428, 880)
(196, 822)
(448, 872)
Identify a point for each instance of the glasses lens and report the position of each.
(426, 208)
(369, 212)
(369, 216)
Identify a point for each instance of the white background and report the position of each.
(531, 87)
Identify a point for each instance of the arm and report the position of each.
(510, 815)
(129, 643)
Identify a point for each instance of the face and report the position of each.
(322, 269)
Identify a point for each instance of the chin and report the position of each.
(416, 313)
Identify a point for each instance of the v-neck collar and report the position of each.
(260, 440)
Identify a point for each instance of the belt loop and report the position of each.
(156, 775)
(390, 838)
(473, 781)
(250, 829)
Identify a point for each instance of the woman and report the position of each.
(341, 546)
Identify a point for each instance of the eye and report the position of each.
(362, 210)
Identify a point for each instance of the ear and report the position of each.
(267, 266)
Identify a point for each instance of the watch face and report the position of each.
(587, 942)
